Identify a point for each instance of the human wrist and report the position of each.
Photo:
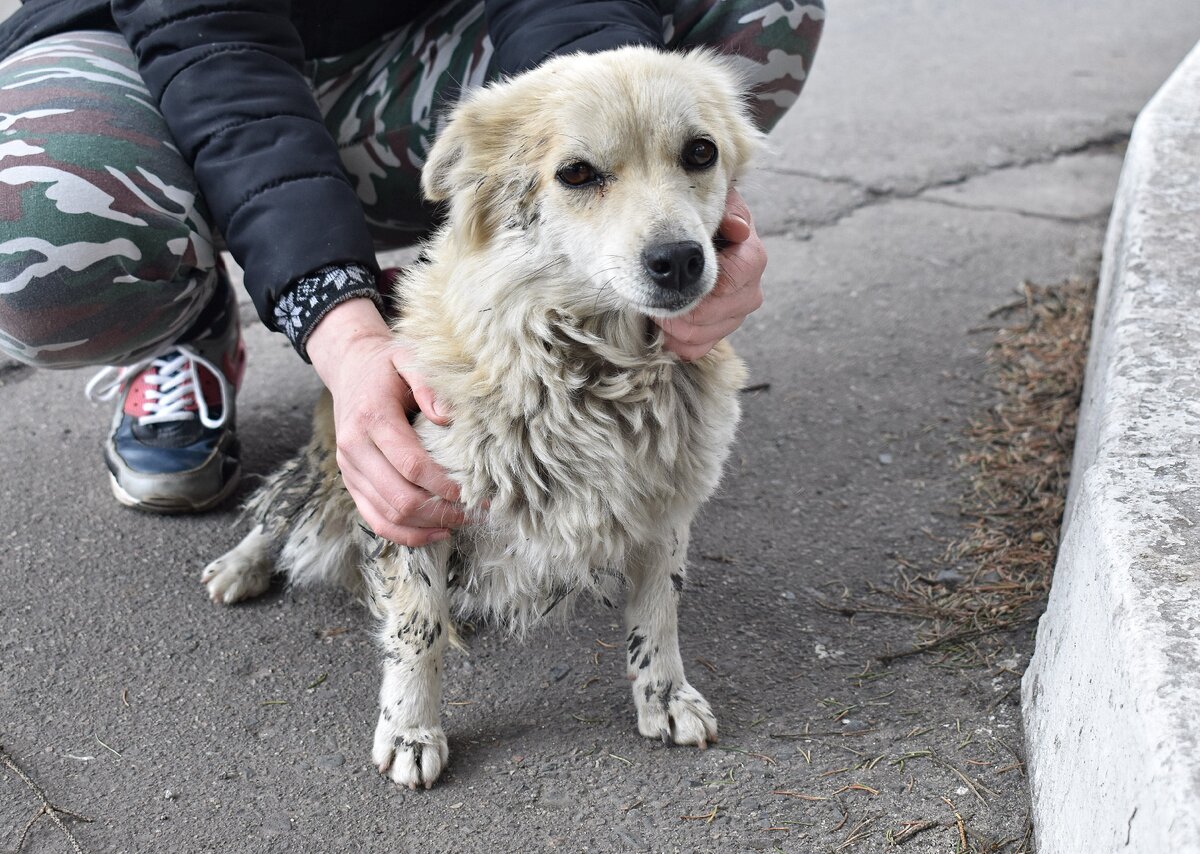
(307, 300)
(345, 329)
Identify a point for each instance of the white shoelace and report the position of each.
(174, 385)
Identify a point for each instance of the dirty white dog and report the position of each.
(584, 197)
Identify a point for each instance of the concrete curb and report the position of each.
(1112, 695)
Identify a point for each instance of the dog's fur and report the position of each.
(582, 448)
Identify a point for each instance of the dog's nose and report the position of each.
(675, 266)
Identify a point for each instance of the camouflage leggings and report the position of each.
(106, 249)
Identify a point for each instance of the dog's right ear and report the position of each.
(444, 169)
(461, 164)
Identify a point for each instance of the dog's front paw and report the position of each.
(410, 756)
(675, 714)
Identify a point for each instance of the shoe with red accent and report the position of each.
(173, 447)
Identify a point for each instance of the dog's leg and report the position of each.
(668, 707)
(407, 589)
(306, 526)
(242, 572)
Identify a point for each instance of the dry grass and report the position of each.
(996, 577)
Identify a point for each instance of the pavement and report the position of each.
(942, 153)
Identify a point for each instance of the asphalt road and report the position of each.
(943, 152)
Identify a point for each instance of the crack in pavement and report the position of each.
(1099, 216)
(881, 193)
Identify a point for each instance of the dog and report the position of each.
(583, 198)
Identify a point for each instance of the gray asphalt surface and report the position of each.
(942, 152)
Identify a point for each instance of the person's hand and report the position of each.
(738, 291)
(399, 490)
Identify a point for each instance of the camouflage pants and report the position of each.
(107, 253)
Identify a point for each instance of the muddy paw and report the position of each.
(409, 756)
(677, 715)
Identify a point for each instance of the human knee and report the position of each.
(105, 247)
(773, 42)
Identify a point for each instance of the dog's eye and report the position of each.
(577, 174)
(699, 154)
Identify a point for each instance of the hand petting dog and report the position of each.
(738, 292)
(399, 490)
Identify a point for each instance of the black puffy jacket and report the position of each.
(228, 77)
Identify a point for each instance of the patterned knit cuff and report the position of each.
(308, 299)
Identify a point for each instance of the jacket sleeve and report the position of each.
(227, 76)
(525, 32)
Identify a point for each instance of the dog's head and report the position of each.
(613, 166)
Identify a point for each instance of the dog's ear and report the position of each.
(470, 160)
(743, 141)
(444, 168)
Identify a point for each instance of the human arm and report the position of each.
(228, 80)
(738, 292)
(526, 32)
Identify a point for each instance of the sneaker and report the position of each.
(173, 447)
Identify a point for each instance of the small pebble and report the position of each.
(853, 725)
(169, 795)
(1037, 537)
(948, 576)
(886, 459)
(328, 763)
(559, 672)
(788, 595)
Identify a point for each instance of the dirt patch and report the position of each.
(976, 598)
(995, 579)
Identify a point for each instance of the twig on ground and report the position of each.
(911, 829)
(707, 818)
(46, 809)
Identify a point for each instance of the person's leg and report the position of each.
(105, 250)
(106, 257)
(774, 43)
(381, 103)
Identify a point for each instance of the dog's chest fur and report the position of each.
(580, 442)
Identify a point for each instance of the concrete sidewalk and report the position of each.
(943, 152)
(1112, 697)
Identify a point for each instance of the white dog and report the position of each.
(584, 196)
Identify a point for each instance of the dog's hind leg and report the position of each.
(407, 590)
(305, 525)
(668, 707)
(242, 572)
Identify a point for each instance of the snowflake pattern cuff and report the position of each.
(308, 299)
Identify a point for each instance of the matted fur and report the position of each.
(581, 447)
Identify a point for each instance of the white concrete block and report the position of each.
(1112, 695)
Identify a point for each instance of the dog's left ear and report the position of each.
(727, 107)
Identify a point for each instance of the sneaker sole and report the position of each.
(170, 504)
